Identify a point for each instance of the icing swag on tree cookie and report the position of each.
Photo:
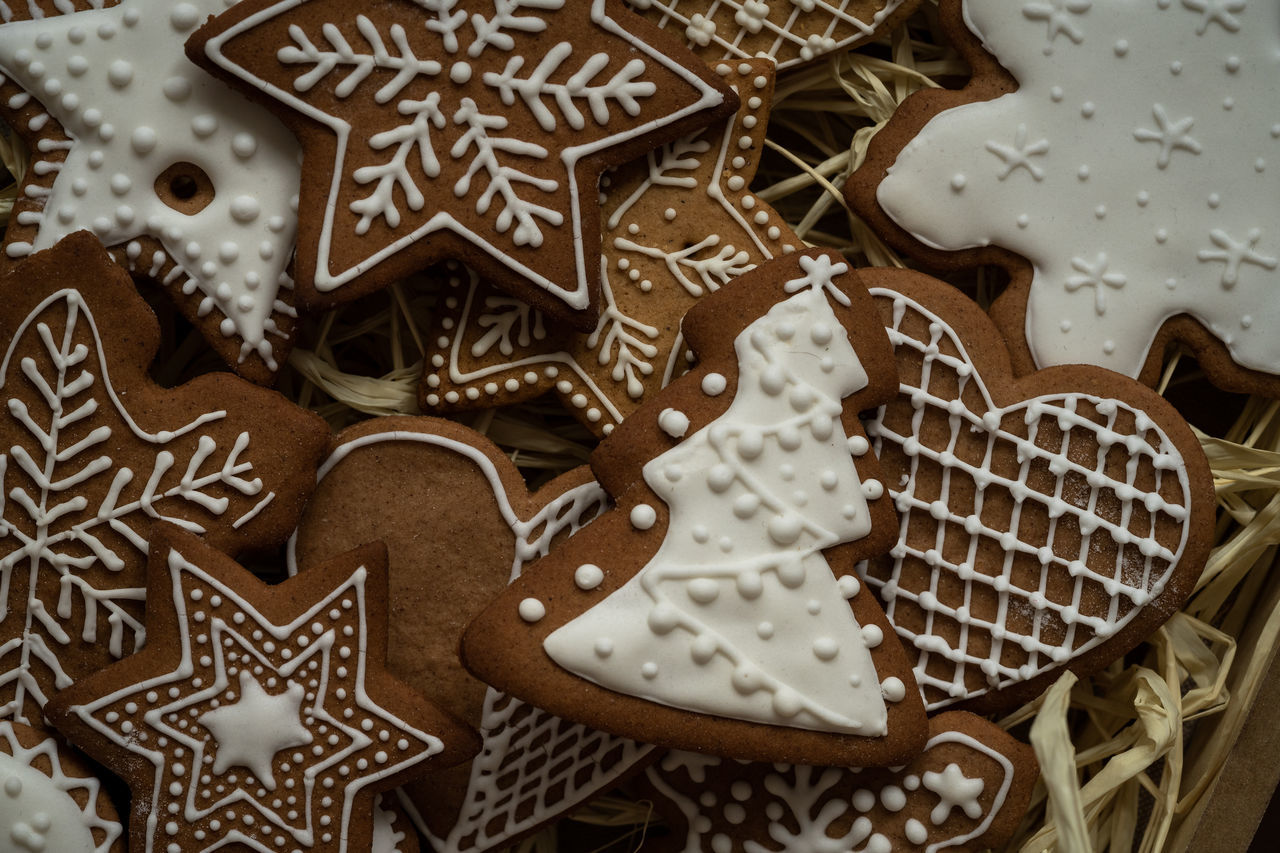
(467, 129)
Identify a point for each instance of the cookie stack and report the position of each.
(837, 518)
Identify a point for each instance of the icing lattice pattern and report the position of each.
(1061, 516)
(789, 31)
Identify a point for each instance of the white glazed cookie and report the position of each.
(257, 714)
(711, 607)
(469, 129)
(49, 800)
(965, 792)
(193, 187)
(679, 223)
(1135, 167)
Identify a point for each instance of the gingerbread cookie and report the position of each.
(1118, 158)
(191, 187)
(965, 792)
(1047, 522)
(791, 33)
(473, 129)
(678, 224)
(51, 800)
(715, 606)
(257, 714)
(466, 524)
(92, 453)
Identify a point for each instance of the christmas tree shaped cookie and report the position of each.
(716, 607)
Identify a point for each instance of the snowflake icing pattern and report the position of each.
(1143, 201)
(479, 110)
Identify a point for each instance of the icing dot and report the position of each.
(714, 384)
(643, 516)
(864, 800)
(893, 689)
(120, 73)
(460, 72)
(244, 145)
(183, 17)
(603, 647)
(703, 590)
(588, 576)
(204, 125)
(893, 797)
(531, 610)
(848, 586)
(245, 209)
(143, 140)
(957, 182)
(858, 445)
(764, 630)
(177, 89)
(916, 832)
(649, 670)
(673, 423)
(825, 649)
(872, 635)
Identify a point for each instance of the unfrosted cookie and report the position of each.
(965, 792)
(189, 185)
(679, 223)
(1120, 158)
(1047, 522)
(93, 453)
(715, 607)
(475, 130)
(257, 714)
(464, 524)
(49, 799)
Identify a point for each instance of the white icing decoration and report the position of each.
(36, 524)
(218, 633)
(643, 516)
(387, 838)
(637, 337)
(805, 804)
(497, 159)
(713, 384)
(792, 32)
(1142, 567)
(1142, 201)
(588, 576)
(255, 727)
(694, 608)
(38, 809)
(517, 736)
(532, 610)
(80, 65)
(673, 423)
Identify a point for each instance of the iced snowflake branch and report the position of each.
(509, 318)
(503, 180)
(448, 21)
(494, 31)
(406, 64)
(708, 273)
(394, 173)
(677, 156)
(623, 87)
(812, 833)
(617, 329)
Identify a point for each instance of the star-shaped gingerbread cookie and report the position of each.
(255, 714)
(678, 224)
(93, 453)
(466, 129)
(191, 186)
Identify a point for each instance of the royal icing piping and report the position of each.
(739, 590)
(644, 270)
(790, 31)
(512, 788)
(1143, 562)
(806, 804)
(221, 637)
(39, 809)
(129, 123)
(514, 183)
(387, 838)
(54, 527)
(1133, 202)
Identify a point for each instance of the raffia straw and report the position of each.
(1112, 746)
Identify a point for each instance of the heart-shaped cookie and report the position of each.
(459, 524)
(1046, 522)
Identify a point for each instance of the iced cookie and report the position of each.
(471, 129)
(190, 186)
(93, 453)
(1120, 159)
(465, 525)
(715, 605)
(678, 224)
(257, 714)
(1047, 522)
(965, 792)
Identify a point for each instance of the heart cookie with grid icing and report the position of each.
(1047, 522)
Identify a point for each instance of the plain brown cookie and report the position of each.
(780, 415)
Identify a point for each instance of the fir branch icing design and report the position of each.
(50, 526)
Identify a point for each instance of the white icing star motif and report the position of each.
(1019, 154)
(145, 137)
(1194, 228)
(955, 790)
(259, 725)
